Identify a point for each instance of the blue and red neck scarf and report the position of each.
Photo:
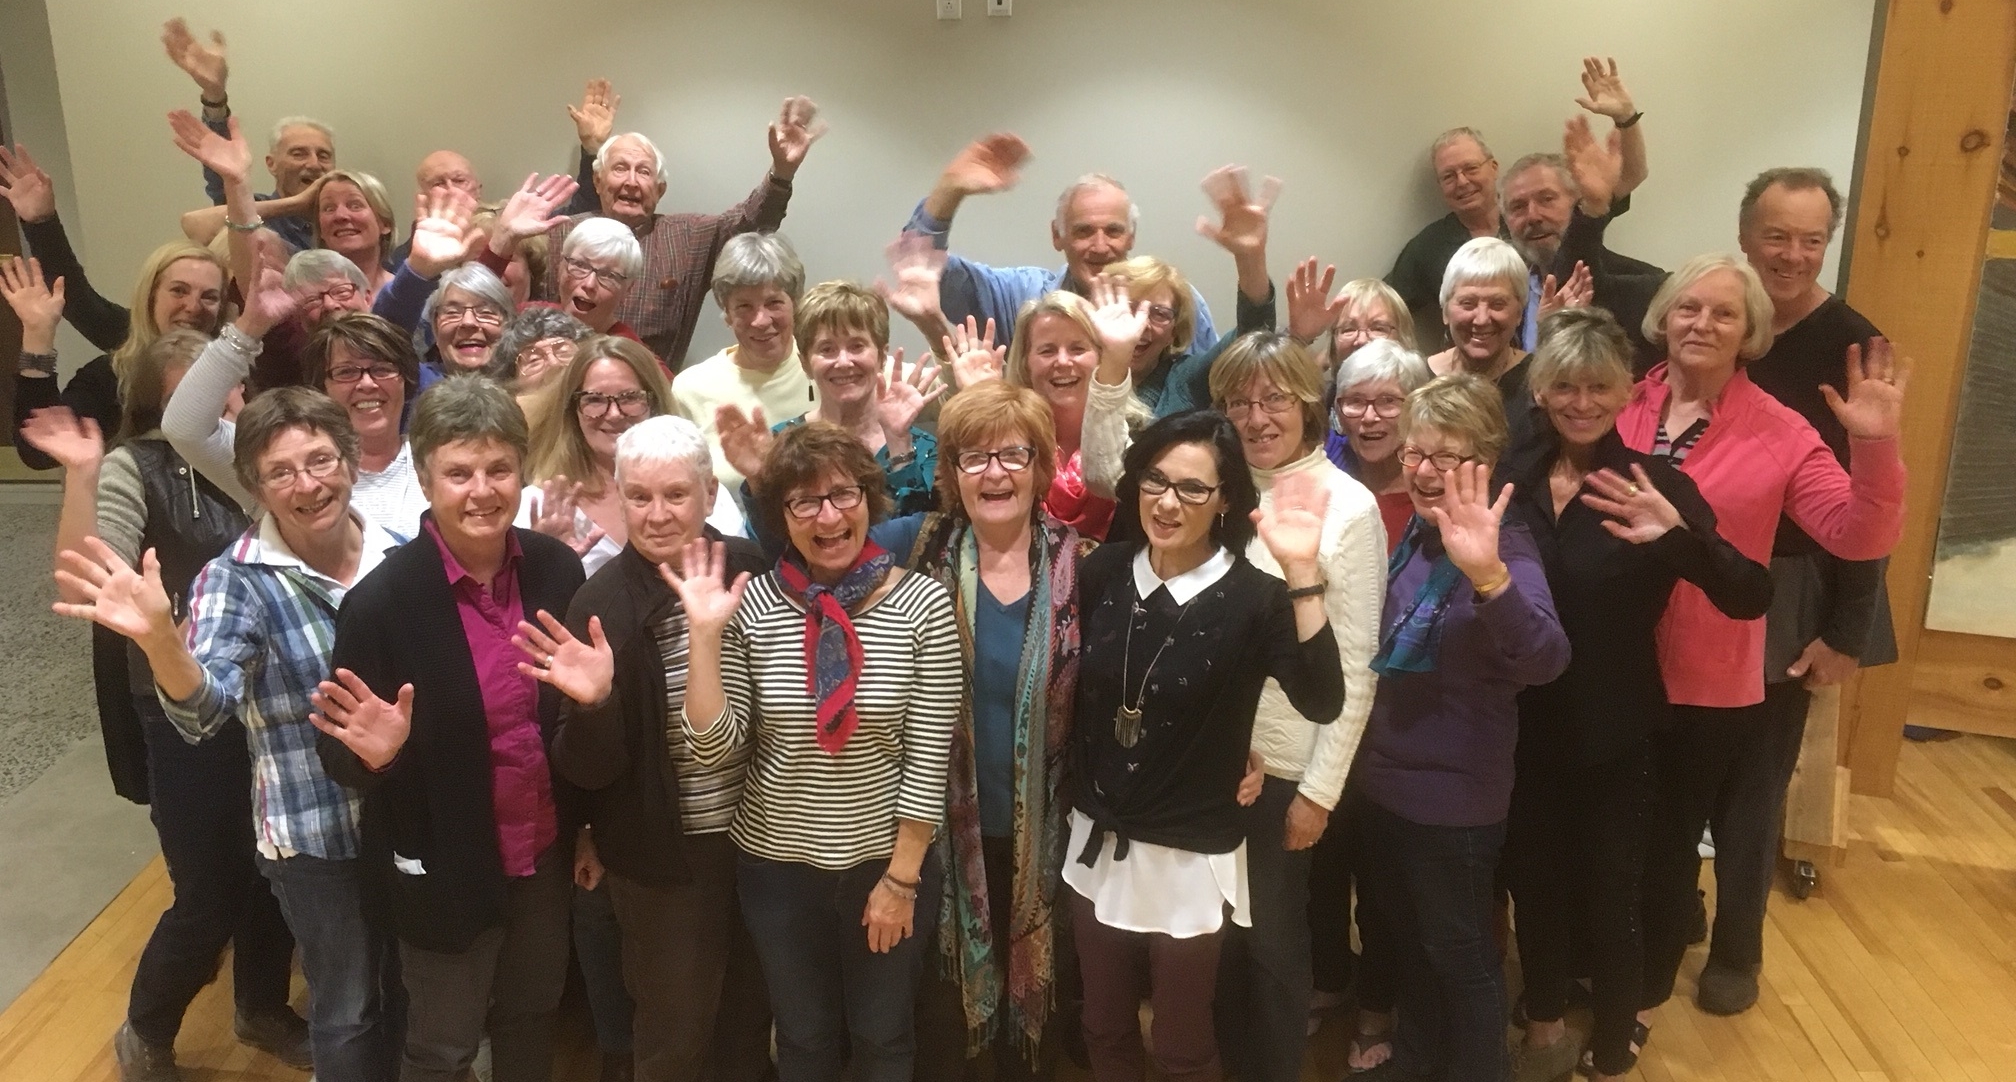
(832, 649)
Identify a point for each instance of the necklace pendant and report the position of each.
(1127, 726)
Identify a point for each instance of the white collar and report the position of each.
(1184, 586)
(266, 546)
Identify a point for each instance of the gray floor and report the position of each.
(67, 844)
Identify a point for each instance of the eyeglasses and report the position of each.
(1194, 493)
(578, 269)
(282, 478)
(1386, 405)
(628, 404)
(845, 498)
(542, 353)
(382, 372)
(1278, 402)
(1161, 315)
(485, 314)
(1375, 329)
(1443, 461)
(336, 294)
(1468, 172)
(1013, 459)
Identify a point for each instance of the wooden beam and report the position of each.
(1933, 150)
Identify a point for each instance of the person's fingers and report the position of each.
(1270, 190)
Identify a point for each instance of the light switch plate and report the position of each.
(949, 9)
(1000, 7)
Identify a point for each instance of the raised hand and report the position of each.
(1576, 292)
(1639, 512)
(1597, 167)
(974, 356)
(917, 265)
(745, 440)
(700, 580)
(55, 431)
(228, 157)
(1469, 521)
(557, 514)
(373, 729)
(443, 235)
(38, 304)
(582, 671)
(1291, 523)
(595, 118)
(116, 597)
(25, 185)
(901, 397)
(1119, 323)
(204, 63)
(992, 163)
(1242, 213)
(531, 211)
(1311, 309)
(1603, 91)
(798, 127)
(1874, 408)
(267, 302)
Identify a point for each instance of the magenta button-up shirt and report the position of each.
(521, 786)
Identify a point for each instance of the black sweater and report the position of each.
(1178, 786)
(432, 803)
(94, 391)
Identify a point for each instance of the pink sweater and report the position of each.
(1759, 459)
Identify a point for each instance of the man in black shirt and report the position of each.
(1467, 176)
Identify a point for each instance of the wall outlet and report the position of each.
(1000, 7)
(949, 9)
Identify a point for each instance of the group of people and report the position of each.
(456, 626)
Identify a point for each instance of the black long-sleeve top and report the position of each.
(1178, 786)
(1609, 595)
(93, 391)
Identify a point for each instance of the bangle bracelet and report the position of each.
(245, 227)
(1314, 589)
(1494, 585)
(1631, 120)
(908, 894)
(43, 363)
(907, 884)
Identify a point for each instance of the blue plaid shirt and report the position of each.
(261, 625)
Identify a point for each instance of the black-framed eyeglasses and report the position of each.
(1386, 405)
(579, 269)
(1444, 461)
(1193, 492)
(1277, 402)
(485, 314)
(844, 498)
(1013, 459)
(382, 372)
(628, 404)
(282, 479)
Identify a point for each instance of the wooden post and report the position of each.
(1816, 803)
(1933, 150)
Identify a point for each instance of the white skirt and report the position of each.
(1158, 889)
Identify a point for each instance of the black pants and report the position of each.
(1264, 979)
(200, 799)
(1336, 875)
(1575, 851)
(1727, 767)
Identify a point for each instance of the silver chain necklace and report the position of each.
(1127, 720)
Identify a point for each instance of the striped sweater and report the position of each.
(837, 811)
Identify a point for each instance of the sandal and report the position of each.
(1364, 1042)
(1640, 1035)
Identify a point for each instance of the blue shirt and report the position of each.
(997, 659)
(1529, 326)
(299, 233)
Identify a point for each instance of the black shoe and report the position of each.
(278, 1032)
(1726, 989)
(140, 1061)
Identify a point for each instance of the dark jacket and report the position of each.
(616, 751)
(432, 803)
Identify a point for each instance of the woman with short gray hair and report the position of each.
(758, 282)
(536, 345)
(466, 317)
(1372, 385)
(1483, 300)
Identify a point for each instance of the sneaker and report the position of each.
(1726, 989)
(140, 1061)
(278, 1032)
(1706, 848)
(1555, 1061)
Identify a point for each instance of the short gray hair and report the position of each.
(1793, 178)
(1485, 261)
(1535, 161)
(657, 156)
(313, 266)
(664, 439)
(607, 239)
(281, 125)
(757, 260)
(466, 406)
(1446, 139)
(473, 278)
(1382, 359)
(1757, 308)
(529, 327)
(1062, 222)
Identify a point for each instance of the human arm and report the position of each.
(1604, 94)
(917, 266)
(1241, 228)
(1855, 605)
(931, 709)
(594, 122)
(77, 446)
(207, 65)
(992, 163)
(204, 223)
(1188, 385)
(1662, 508)
(590, 745)
(193, 420)
(1354, 572)
(890, 915)
(715, 710)
(1860, 514)
(23, 183)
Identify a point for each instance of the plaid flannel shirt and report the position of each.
(261, 625)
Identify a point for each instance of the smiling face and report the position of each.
(188, 294)
(542, 360)
(348, 225)
(830, 540)
(330, 296)
(614, 379)
(1173, 524)
(1269, 439)
(1582, 408)
(369, 389)
(304, 506)
(664, 506)
(1369, 414)
(997, 495)
(761, 318)
(1706, 325)
(1537, 209)
(1159, 334)
(302, 155)
(1428, 484)
(1097, 231)
(472, 488)
(1361, 322)
(1786, 240)
(628, 182)
(1466, 176)
(466, 328)
(1481, 317)
(1061, 359)
(844, 362)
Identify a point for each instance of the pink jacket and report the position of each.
(1759, 459)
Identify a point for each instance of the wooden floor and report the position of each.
(1903, 966)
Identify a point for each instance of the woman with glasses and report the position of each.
(1372, 384)
(535, 346)
(1366, 310)
(839, 671)
(1182, 634)
(1011, 572)
(1468, 623)
(466, 318)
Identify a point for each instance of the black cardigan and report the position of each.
(400, 625)
(1610, 595)
(1198, 712)
(616, 751)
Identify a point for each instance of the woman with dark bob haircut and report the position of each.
(1155, 855)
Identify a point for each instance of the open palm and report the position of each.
(1468, 520)
(990, 164)
(373, 729)
(704, 592)
(115, 595)
(1119, 323)
(227, 156)
(917, 266)
(57, 432)
(38, 304)
(901, 395)
(745, 439)
(975, 357)
(582, 671)
(24, 184)
(1874, 408)
(1242, 212)
(442, 234)
(1291, 525)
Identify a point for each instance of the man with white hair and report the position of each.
(1094, 226)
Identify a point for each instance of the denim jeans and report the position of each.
(1265, 972)
(1433, 888)
(356, 1006)
(598, 947)
(200, 799)
(833, 998)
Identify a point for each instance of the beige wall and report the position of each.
(1338, 98)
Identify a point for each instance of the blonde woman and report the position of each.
(353, 218)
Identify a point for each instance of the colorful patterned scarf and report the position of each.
(1412, 640)
(947, 551)
(832, 649)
